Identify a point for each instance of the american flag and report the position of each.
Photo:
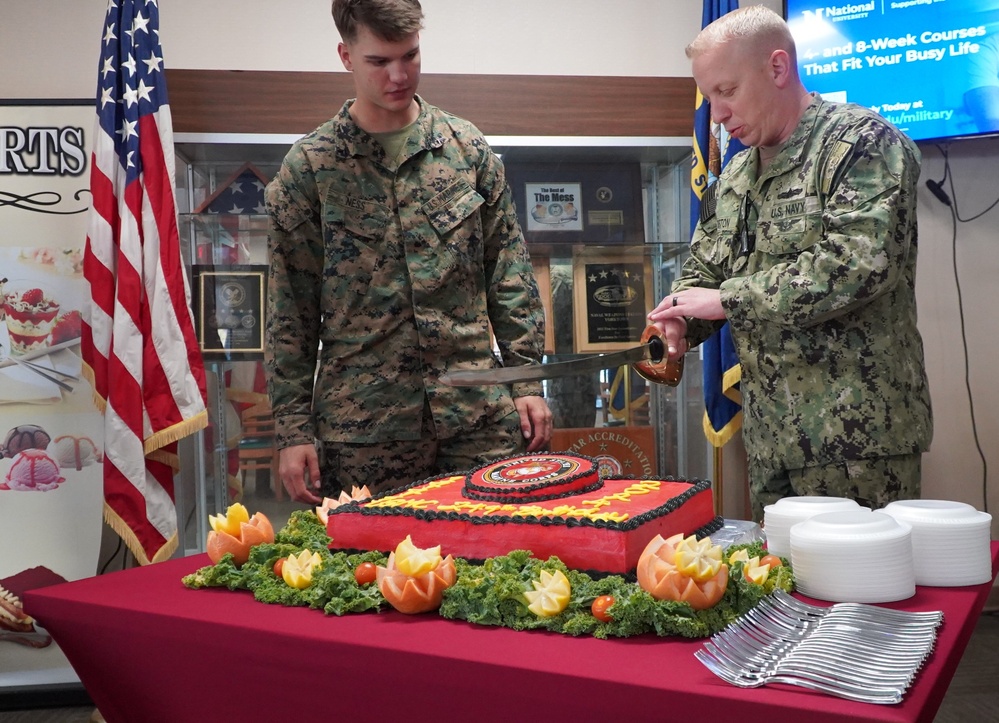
(241, 194)
(138, 344)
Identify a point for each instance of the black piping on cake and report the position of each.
(533, 498)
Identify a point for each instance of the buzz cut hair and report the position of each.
(757, 24)
(390, 20)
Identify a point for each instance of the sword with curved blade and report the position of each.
(648, 358)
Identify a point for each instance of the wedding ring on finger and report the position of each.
(674, 301)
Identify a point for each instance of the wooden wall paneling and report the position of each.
(282, 102)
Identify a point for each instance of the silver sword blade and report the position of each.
(653, 350)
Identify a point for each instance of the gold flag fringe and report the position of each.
(152, 449)
(167, 458)
(88, 374)
(122, 529)
(245, 397)
(176, 432)
(731, 377)
(721, 437)
(164, 436)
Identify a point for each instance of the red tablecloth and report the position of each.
(148, 649)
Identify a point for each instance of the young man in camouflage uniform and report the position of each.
(807, 246)
(395, 251)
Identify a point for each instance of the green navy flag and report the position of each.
(720, 364)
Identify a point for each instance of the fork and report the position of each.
(825, 657)
(831, 675)
(879, 635)
(887, 646)
(871, 612)
(839, 690)
(850, 650)
(820, 661)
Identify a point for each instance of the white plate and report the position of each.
(851, 525)
(937, 512)
(882, 572)
(785, 513)
(808, 505)
(950, 541)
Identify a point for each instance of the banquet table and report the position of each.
(148, 649)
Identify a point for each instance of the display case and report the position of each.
(606, 222)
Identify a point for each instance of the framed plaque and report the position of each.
(230, 303)
(554, 207)
(590, 203)
(629, 451)
(611, 295)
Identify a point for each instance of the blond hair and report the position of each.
(390, 20)
(759, 25)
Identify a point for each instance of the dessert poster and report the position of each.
(51, 448)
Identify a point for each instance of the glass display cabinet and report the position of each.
(607, 223)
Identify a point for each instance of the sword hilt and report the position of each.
(658, 368)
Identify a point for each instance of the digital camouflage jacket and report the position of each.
(389, 272)
(816, 263)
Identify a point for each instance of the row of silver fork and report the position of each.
(856, 651)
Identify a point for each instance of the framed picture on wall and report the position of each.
(593, 203)
(230, 304)
(612, 295)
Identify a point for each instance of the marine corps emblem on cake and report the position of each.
(539, 477)
(536, 470)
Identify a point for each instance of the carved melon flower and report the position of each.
(329, 503)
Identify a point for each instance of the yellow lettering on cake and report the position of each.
(397, 503)
(464, 506)
(400, 499)
(641, 487)
(567, 511)
(528, 510)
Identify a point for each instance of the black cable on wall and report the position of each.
(937, 189)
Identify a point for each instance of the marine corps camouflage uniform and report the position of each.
(816, 263)
(398, 268)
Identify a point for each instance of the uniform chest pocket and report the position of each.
(344, 216)
(452, 207)
(455, 234)
(353, 233)
(789, 235)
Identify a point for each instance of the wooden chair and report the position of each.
(257, 448)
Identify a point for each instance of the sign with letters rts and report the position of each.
(51, 434)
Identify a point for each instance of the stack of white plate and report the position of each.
(950, 541)
(853, 556)
(780, 517)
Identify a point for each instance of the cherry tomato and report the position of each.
(599, 608)
(771, 560)
(365, 572)
(279, 566)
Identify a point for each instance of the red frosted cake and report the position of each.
(550, 504)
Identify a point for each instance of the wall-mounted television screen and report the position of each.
(931, 67)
